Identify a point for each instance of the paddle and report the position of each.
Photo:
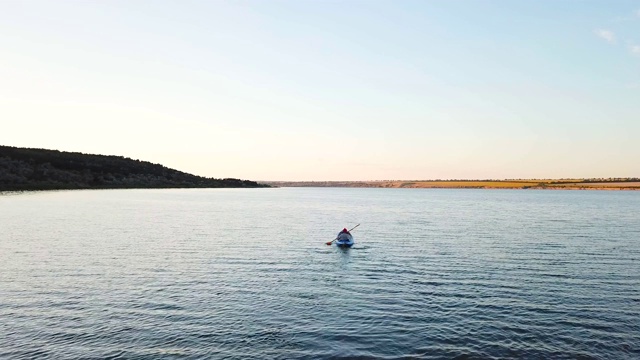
(331, 242)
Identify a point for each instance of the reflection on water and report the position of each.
(344, 255)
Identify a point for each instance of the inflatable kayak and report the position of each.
(345, 240)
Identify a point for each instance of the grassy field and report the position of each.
(457, 184)
(508, 184)
(573, 184)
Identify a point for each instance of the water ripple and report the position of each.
(238, 274)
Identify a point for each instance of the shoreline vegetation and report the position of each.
(546, 184)
(23, 169)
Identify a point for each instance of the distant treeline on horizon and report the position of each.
(42, 169)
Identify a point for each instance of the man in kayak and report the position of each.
(343, 235)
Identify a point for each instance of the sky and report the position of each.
(329, 90)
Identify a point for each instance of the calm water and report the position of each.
(221, 273)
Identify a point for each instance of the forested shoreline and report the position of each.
(42, 169)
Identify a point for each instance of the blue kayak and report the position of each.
(345, 240)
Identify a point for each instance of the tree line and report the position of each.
(42, 169)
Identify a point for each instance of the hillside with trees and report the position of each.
(41, 169)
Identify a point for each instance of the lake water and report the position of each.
(245, 273)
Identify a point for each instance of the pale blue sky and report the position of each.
(329, 90)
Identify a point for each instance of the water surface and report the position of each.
(245, 273)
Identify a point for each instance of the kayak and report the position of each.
(345, 241)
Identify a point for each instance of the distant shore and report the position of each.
(546, 184)
(26, 169)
